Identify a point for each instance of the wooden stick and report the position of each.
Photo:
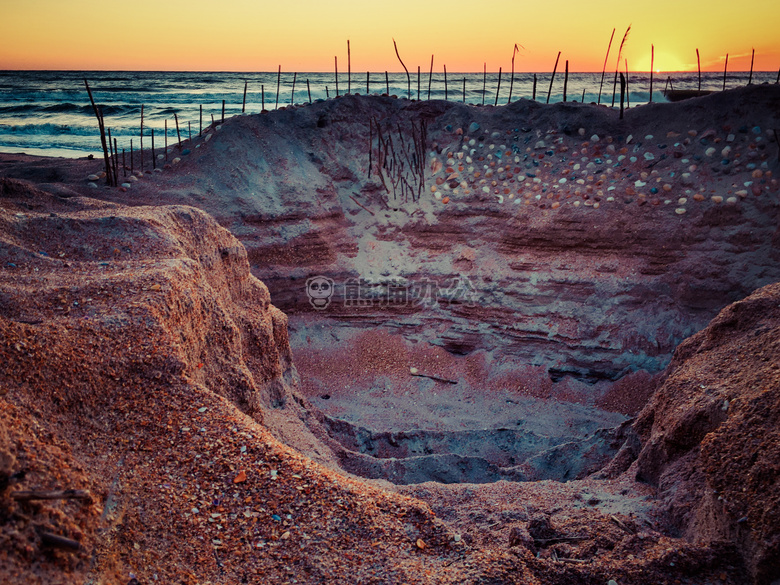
(622, 93)
(100, 127)
(512, 79)
(189, 130)
(498, 87)
(292, 93)
(445, 83)
(533, 95)
(327, 93)
(777, 141)
(628, 90)
(725, 67)
(142, 138)
(200, 132)
(262, 98)
(178, 134)
(753, 56)
(243, 104)
(408, 79)
(583, 96)
(436, 378)
(552, 78)
(777, 81)
(112, 155)
(387, 82)
(604, 70)
(418, 81)
(308, 88)
(30, 495)
(652, 63)
(361, 205)
(110, 159)
(368, 83)
(165, 138)
(464, 90)
(698, 63)
(55, 541)
(565, 80)
(131, 157)
(278, 84)
(336, 61)
(430, 79)
(484, 82)
(154, 158)
(223, 112)
(116, 164)
(349, 69)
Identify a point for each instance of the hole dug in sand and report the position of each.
(410, 412)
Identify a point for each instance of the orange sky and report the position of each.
(304, 35)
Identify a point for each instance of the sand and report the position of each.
(146, 363)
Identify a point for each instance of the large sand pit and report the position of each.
(549, 425)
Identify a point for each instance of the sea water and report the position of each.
(49, 113)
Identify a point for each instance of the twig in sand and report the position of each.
(102, 132)
(698, 63)
(436, 378)
(178, 134)
(56, 541)
(445, 83)
(512, 79)
(361, 205)
(349, 69)
(621, 524)
(552, 78)
(604, 70)
(387, 82)
(430, 79)
(142, 138)
(408, 79)
(29, 495)
(308, 88)
(752, 58)
(243, 104)
(652, 64)
(336, 66)
(223, 112)
(565, 80)
(484, 82)
(292, 93)
(725, 68)
(498, 87)
(617, 67)
(533, 94)
(154, 158)
(278, 84)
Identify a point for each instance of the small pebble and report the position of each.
(680, 210)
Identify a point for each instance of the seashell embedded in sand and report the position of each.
(731, 200)
(680, 210)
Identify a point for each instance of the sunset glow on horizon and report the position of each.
(242, 35)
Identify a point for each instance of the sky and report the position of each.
(306, 35)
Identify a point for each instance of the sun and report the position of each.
(664, 62)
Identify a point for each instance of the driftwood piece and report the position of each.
(29, 495)
(51, 540)
(436, 378)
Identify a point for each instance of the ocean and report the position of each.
(49, 113)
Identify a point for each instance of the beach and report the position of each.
(538, 322)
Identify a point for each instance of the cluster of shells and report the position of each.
(527, 167)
